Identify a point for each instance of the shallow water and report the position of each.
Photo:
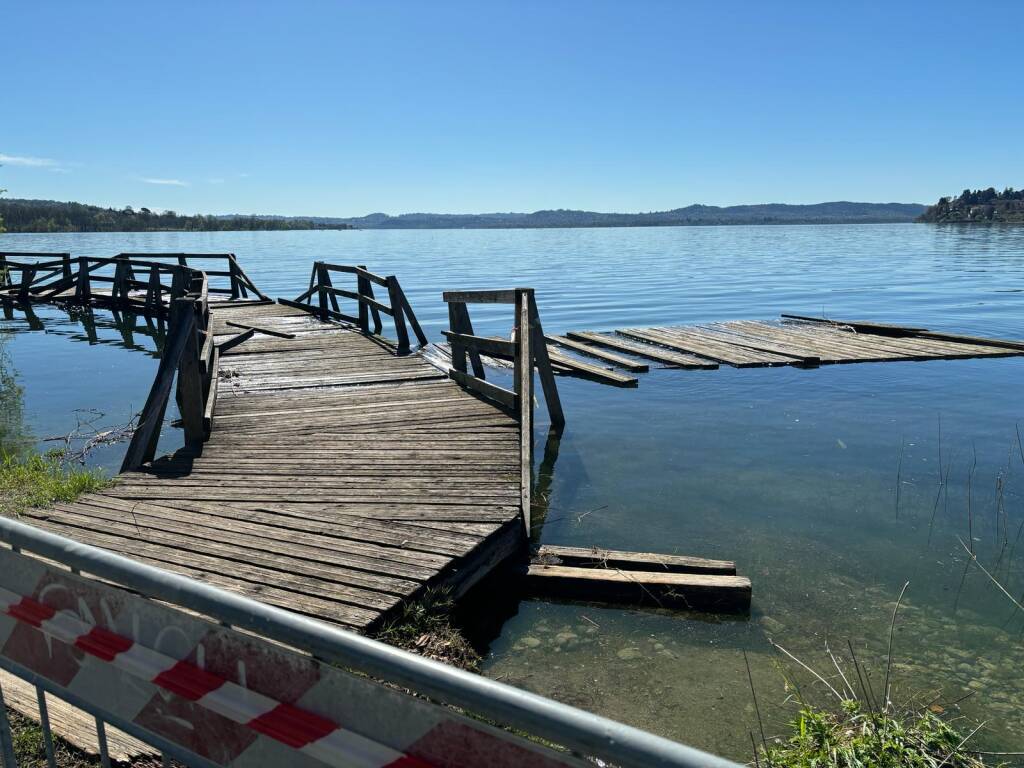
(792, 473)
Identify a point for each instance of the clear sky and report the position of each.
(346, 108)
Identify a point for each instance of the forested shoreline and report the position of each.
(52, 216)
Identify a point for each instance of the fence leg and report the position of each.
(44, 722)
(6, 739)
(395, 295)
(101, 737)
(458, 349)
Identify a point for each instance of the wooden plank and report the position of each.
(600, 354)
(603, 375)
(491, 391)
(723, 353)
(480, 297)
(582, 557)
(691, 591)
(641, 349)
(261, 329)
(235, 340)
(492, 345)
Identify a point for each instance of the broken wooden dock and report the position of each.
(325, 471)
(800, 341)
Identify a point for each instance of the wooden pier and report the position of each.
(800, 341)
(325, 470)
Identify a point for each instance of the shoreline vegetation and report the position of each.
(47, 216)
(985, 206)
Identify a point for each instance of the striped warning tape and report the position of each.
(293, 726)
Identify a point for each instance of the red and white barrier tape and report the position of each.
(297, 728)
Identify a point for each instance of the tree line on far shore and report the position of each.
(51, 216)
(979, 205)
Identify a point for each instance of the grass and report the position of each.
(849, 737)
(38, 480)
(426, 627)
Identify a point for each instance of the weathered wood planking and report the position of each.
(632, 561)
(695, 591)
(340, 479)
(799, 341)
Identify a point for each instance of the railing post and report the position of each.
(28, 274)
(233, 277)
(5, 276)
(321, 289)
(362, 284)
(190, 384)
(458, 348)
(66, 266)
(395, 296)
(83, 291)
(543, 363)
(524, 401)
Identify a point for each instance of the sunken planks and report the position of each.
(340, 480)
(798, 341)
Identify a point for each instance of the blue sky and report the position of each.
(341, 108)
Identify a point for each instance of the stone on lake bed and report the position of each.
(628, 654)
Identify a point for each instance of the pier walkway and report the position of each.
(324, 471)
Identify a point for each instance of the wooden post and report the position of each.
(364, 311)
(190, 386)
(82, 292)
(463, 324)
(65, 267)
(547, 376)
(524, 392)
(143, 445)
(28, 274)
(407, 309)
(321, 290)
(5, 276)
(395, 296)
(455, 323)
(325, 279)
(378, 326)
(233, 277)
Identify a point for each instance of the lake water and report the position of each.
(792, 473)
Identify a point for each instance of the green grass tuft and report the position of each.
(39, 480)
(853, 738)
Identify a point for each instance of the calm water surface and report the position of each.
(792, 473)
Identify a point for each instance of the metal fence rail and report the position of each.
(580, 732)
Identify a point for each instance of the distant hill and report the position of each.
(769, 213)
(984, 206)
(52, 216)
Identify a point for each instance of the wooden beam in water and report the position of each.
(608, 357)
(691, 591)
(642, 349)
(595, 557)
(603, 375)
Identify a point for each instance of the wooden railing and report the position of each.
(136, 281)
(191, 356)
(327, 307)
(527, 349)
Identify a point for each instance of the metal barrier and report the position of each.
(240, 698)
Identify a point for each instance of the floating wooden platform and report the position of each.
(638, 578)
(338, 479)
(795, 341)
